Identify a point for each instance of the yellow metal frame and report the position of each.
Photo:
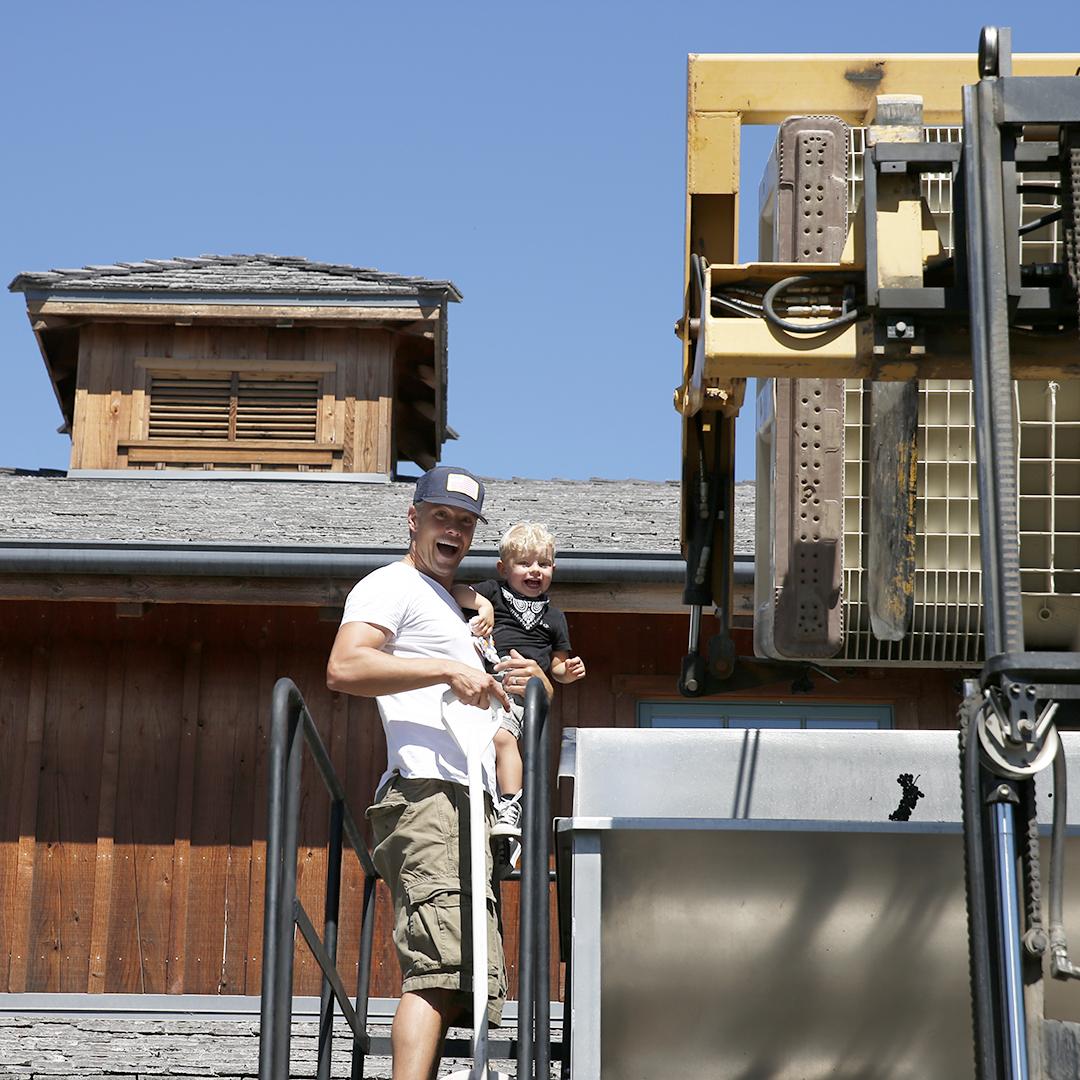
(723, 93)
(726, 91)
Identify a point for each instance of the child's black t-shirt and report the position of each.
(535, 629)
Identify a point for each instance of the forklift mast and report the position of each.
(887, 302)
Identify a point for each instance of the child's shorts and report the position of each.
(512, 717)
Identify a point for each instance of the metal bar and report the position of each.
(331, 909)
(505, 1049)
(282, 990)
(268, 1018)
(291, 726)
(992, 376)
(974, 227)
(981, 974)
(285, 561)
(363, 975)
(769, 89)
(311, 936)
(527, 919)
(542, 840)
(568, 1013)
(1014, 1025)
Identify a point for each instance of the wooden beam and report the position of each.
(256, 313)
(311, 592)
(421, 328)
(230, 444)
(408, 446)
(196, 454)
(425, 408)
(766, 89)
(185, 791)
(106, 827)
(299, 369)
(27, 848)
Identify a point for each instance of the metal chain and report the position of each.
(1070, 207)
(1035, 938)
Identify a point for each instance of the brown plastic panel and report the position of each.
(810, 225)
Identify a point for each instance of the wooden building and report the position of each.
(135, 677)
(252, 362)
(146, 612)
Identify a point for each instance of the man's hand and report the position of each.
(573, 669)
(518, 670)
(483, 622)
(476, 687)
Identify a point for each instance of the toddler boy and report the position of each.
(523, 621)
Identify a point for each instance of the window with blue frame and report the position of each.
(757, 714)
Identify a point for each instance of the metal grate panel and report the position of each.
(947, 622)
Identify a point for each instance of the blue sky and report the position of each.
(532, 154)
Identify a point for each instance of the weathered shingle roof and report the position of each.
(232, 274)
(627, 516)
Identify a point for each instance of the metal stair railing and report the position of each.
(291, 727)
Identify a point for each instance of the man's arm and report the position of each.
(359, 666)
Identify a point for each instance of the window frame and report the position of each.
(704, 714)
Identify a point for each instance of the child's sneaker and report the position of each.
(508, 817)
(505, 853)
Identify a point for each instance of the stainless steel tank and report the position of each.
(738, 905)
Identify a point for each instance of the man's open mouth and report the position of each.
(446, 548)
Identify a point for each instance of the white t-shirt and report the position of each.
(424, 622)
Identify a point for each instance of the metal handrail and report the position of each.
(291, 727)
(534, 1005)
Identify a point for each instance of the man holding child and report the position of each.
(404, 641)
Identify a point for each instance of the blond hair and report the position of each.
(526, 538)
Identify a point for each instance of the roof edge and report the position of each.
(64, 557)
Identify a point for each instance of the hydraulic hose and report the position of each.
(848, 316)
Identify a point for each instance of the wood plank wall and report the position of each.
(133, 783)
(355, 368)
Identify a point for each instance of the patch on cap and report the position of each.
(464, 484)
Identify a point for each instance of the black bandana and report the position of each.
(527, 612)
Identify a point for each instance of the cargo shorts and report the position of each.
(420, 833)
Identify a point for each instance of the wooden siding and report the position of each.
(351, 408)
(133, 782)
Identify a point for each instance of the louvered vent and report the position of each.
(276, 408)
(190, 408)
(234, 408)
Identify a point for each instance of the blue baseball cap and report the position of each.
(449, 486)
